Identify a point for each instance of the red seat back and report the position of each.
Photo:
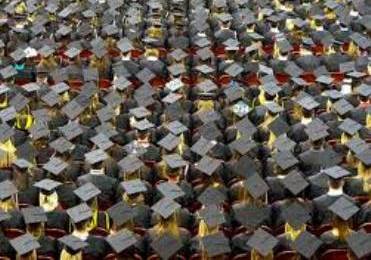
(335, 254)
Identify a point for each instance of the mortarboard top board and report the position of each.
(356, 74)
(343, 208)
(38, 130)
(8, 72)
(205, 69)
(165, 207)
(169, 142)
(19, 102)
(71, 130)
(210, 131)
(255, 36)
(145, 75)
(90, 74)
(4, 215)
(121, 240)
(216, 244)
(130, 163)
(204, 53)
(350, 126)
(176, 127)
(212, 215)
(121, 83)
(283, 143)
(174, 84)
(80, 213)
(284, 46)
(31, 87)
(61, 145)
(250, 215)
(234, 70)
(256, 186)
(89, 13)
(316, 133)
(166, 245)
(294, 182)
(4, 89)
(278, 126)
(295, 214)
(22, 163)
(7, 189)
(211, 196)
(203, 146)
(143, 125)
(34, 215)
(225, 17)
(357, 145)
(359, 39)
(243, 144)
(300, 81)
(176, 69)
(120, 213)
(6, 132)
(72, 52)
(8, 114)
(107, 129)
(271, 88)
(46, 51)
(174, 161)
(208, 116)
(99, 52)
(51, 98)
(207, 86)
(246, 127)
(360, 244)
(327, 80)
(306, 244)
(178, 54)
(202, 42)
(87, 191)
(55, 166)
(342, 106)
(347, 66)
(285, 159)
(170, 190)
(64, 30)
(73, 243)
(318, 125)
(106, 113)
(134, 186)
(125, 45)
(336, 172)
(96, 156)
(234, 92)
(18, 54)
(208, 165)
(307, 102)
(273, 107)
(171, 98)
(47, 184)
(102, 141)
(60, 87)
(365, 156)
(24, 244)
(364, 90)
(333, 94)
(262, 241)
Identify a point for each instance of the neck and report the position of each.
(83, 235)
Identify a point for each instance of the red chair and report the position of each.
(75, 84)
(111, 256)
(279, 230)
(104, 83)
(335, 254)
(4, 258)
(224, 80)
(196, 256)
(45, 257)
(99, 231)
(320, 230)
(361, 199)
(286, 255)
(243, 256)
(366, 227)
(13, 232)
(282, 78)
(337, 76)
(55, 232)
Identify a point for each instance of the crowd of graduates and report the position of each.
(185, 129)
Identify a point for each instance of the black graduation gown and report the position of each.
(97, 248)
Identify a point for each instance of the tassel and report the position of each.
(293, 233)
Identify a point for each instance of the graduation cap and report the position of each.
(19, 102)
(294, 182)
(7, 189)
(130, 164)
(169, 142)
(73, 243)
(357, 145)
(60, 87)
(166, 245)
(273, 107)
(208, 116)
(262, 241)
(106, 113)
(22, 163)
(205, 69)
(336, 172)
(363, 90)
(350, 126)
(55, 165)
(285, 159)
(121, 240)
(121, 83)
(271, 88)
(241, 109)
(96, 156)
(71, 130)
(171, 98)
(6, 132)
(295, 214)
(243, 144)
(212, 215)
(165, 207)
(256, 186)
(8, 72)
(343, 208)
(342, 106)
(72, 52)
(39, 130)
(170, 190)
(4, 215)
(211, 196)
(120, 213)
(202, 42)
(80, 213)
(362, 41)
(216, 244)
(316, 133)
(102, 141)
(306, 244)
(8, 114)
(365, 156)
(293, 70)
(250, 215)
(246, 127)
(143, 125)
(174, 84)
(176, 127)
(140, 112)
(47, 184)
(174, 161)
(307, 102)
(203, 146)
(324, 79)
(283, 143)
(51, 98)
(360, 244)
(87, 192)
(145, 75)
(18, 54)
(207, 86)
(177, 69)
(208, 165)
(61, 145)
(284, 45)
(234, 70)
(34, 215)
(278, 126)
(24, 244)
(134, 186)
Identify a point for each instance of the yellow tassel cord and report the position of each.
(256, 256)
(8, 205)
(48, 202)
(205, 105)
(67, 256)
(292, 233)
(8, 154)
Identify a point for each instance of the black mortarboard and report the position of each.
(262, 241)
(256, 186)
(120, 213)
(8, 72)
(243, 144)
(208, 116)
(96, 156)
(250, 215)
(55, 165)
(207, 86)
(212, 215)
(234, 92)
(363, 90)
(140, 112)
(166, 245)
(211, 196)
(102, 141)
(121, 240)
(8, 114)
(178, 54)
(295, 214)
(121, 83)
(205, 69)
(202, 146)
(271, 88)
(18, 54)
(174, 84)
(283, 143)
(316, 133)
(246, 127)
(177, 69)
(130, 163)
(5, 132)
(24, 244)
(143, 125)
(294, 182)
(216, 244)
(336, 172)
(273, 107)
(47, 184)
(87, 191)
(19, 102)
(165, 207)
(60, 87)
(365, 156)
(360, 244)
(61, 145)
(357, 145)
(278, 126)
(327, 80)
(51, 98)
(106, 113)
(22, 163)
(362, 41)
(285, 159)
(31, 87)
(176, 127)
(171, 98)
(241, 109)
(208, 165)
(308, 102)
(38, 130)
(234, 70)
(350, 126)
(145, 75)
(34, 215)
(73, 243)
(7, 189)
(342, 106)
(72, 52)
(307, 244)
(174, 160)
(170, 190)
(344, 208)
(134, 186)
(71, 130)
(79, 213)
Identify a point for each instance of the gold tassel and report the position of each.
(254, 255)
(9, 155)
(293, 233)
(67, 256)
(344, 138)
(8, 205)
(271, 140)
(24, 120)
(20, 8)
(368, 121)
(276, 51)
(48, 202)
(205, 105)
(353, 50)
(4, 103)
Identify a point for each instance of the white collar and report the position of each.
(97, 171)
(83, 235)
(354, 13)
(319, 28)
(335, 192)
(306, 120)
(344, 29)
